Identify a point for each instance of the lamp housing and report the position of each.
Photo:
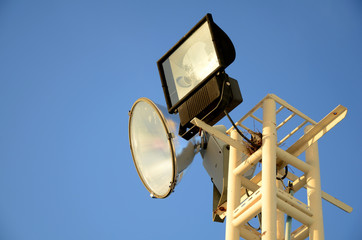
(204, 51)
(221, 93)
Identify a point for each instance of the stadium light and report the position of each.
(159, 154)
(193, 78)
(195, 85)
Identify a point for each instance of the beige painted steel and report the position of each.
(292, 132)
(286, 120)
(233, 191)
(255, 197)
(280, 216)
(336, 202)
(294, 202)
(318, 131)
(314, 192)
(291, 108)
(294, 212)
(247, 215)
(246, 183)
(264, 182)
(298, 147)
(299, 182)
(294, 161)
(220, 135)
(300, 233)
(281, 102)
(248, 232)
(257, 119)
(268, 185)
(248, 163)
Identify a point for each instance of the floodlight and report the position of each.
(193, 77)
(159, 154)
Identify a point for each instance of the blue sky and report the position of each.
(71, 70)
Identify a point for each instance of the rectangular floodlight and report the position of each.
(204, 51)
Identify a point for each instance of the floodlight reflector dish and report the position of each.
(159, 155)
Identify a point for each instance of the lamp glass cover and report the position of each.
(151, 149)
(190, 64)
(159, 154)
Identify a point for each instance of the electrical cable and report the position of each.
(285, 173)
(218, 104)
(247, 193)
(237, 129)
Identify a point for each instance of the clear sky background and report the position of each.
(71, 70)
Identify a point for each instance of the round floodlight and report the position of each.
(159, 154)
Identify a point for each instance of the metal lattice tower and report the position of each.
(268, 196)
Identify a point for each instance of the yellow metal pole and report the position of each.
(233, 191)
(268, 187)
(280, 218)
(314, 192)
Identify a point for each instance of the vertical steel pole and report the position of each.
(288, 224)
(314, 192)
(233, 191)
(268, 187)
(280, 217)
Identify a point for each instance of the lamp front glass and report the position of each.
(191, 63)
(151, 149)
